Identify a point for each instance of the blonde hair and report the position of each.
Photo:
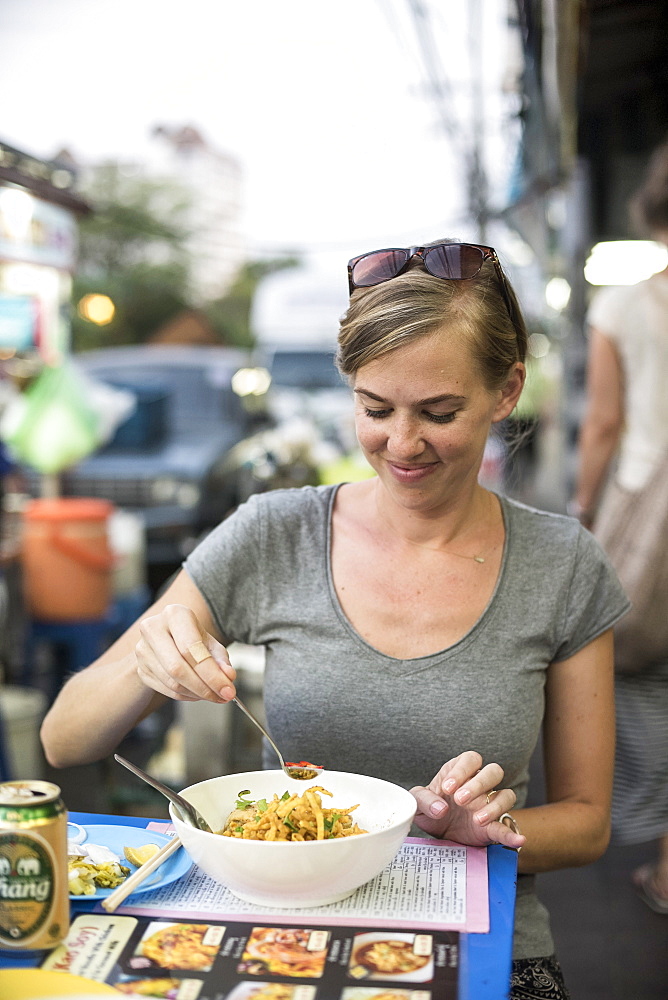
(416, 304)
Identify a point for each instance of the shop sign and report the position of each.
(18, 322)
(35, 231)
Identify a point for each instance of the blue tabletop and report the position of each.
(484, 959)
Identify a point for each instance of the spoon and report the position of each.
(186, 810)
(301, 772)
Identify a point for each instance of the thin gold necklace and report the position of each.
(479, 557)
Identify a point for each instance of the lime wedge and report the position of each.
(138, 855)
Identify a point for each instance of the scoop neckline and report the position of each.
(438, 654)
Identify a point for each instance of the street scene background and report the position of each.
(180, 190)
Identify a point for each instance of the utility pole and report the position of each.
(478, 190)
(470, 147)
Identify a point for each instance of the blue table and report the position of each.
(484, 958)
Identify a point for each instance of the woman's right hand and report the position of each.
(178, 658)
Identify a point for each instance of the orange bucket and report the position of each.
(67, 558)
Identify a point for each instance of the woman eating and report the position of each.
(417, 626)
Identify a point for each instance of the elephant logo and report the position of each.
(28, 866)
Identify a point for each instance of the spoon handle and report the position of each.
(264, 732)
(187, 811)
(148, 778)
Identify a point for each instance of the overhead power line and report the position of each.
(468, 146)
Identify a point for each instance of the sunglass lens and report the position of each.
(457, 261)
(377, 267)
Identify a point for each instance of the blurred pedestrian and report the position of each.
(623, 454)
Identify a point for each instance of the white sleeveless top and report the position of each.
(635, 318)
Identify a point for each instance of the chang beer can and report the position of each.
(34, 893)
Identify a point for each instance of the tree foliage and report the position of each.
(135, 218)
(134, 248)
(230, 315)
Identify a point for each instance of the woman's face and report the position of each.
(423, 415)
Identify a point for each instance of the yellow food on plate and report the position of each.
(85, 878)
(139, 855)
(290, 817)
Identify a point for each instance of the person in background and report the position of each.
(625, 435)
(417, 627)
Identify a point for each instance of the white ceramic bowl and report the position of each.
(290, 874)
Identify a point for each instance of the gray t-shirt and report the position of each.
(332, 698)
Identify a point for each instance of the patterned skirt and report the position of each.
(537, 979)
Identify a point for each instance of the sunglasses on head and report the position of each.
(451, 261)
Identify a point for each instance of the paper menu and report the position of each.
(431, 884)
(234, 960)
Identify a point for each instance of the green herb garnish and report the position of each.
(290, 825)
(241, 802)
(329, 823)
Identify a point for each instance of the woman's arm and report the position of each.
(602, 424)
(573, 828)
(151, 661)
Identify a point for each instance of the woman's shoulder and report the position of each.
(553, 542)
(544, 533)
(278, 519)
(293, 500)
(278, 509)
(539, 519)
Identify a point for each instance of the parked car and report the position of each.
(306, 383)
(309, 367)
(170, 460)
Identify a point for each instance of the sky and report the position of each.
(326, 105)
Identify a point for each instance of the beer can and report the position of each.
(34, 892)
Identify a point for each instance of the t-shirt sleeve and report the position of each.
(224, 568)
(596, 599)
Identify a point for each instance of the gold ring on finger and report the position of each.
(199, 652)
(490, 795)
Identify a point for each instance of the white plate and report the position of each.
(118, 837)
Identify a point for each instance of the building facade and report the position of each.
(38, 246)
(213, 181)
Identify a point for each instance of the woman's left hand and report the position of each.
(462, 803)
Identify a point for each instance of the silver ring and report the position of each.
(511, 823)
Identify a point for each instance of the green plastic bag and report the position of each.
(53, 428)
